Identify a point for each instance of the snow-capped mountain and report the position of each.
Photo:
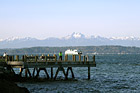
(124, 38)
(75, 39)
(75, 35)
(18, 38)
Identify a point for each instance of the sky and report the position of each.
(58, 18)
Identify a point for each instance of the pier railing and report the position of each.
(46, 58)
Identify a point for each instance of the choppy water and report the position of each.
(113, 74)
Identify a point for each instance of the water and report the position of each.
(113, 74)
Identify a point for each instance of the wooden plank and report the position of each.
(15, 63)
(79, 57)
(17, 57)
(66, 57)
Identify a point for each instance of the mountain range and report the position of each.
(75, 39)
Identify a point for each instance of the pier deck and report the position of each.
(41, 63)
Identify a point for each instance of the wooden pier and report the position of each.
(40, 63)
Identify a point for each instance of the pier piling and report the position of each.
(88, 72)
(60, 69)
(70, 68)
(51, 72)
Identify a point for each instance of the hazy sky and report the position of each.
(58, 18)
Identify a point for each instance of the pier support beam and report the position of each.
(10, 69)
(70, 68)
(35, 69)
(60, 69)
(44, 71)
(51, 72)
(27, 71)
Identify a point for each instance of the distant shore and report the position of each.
(85, 49)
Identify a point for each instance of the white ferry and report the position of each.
(72, 52)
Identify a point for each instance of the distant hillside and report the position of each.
(84, 49)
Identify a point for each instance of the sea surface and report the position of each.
(114, 73)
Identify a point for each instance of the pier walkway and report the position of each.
(39, 63)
